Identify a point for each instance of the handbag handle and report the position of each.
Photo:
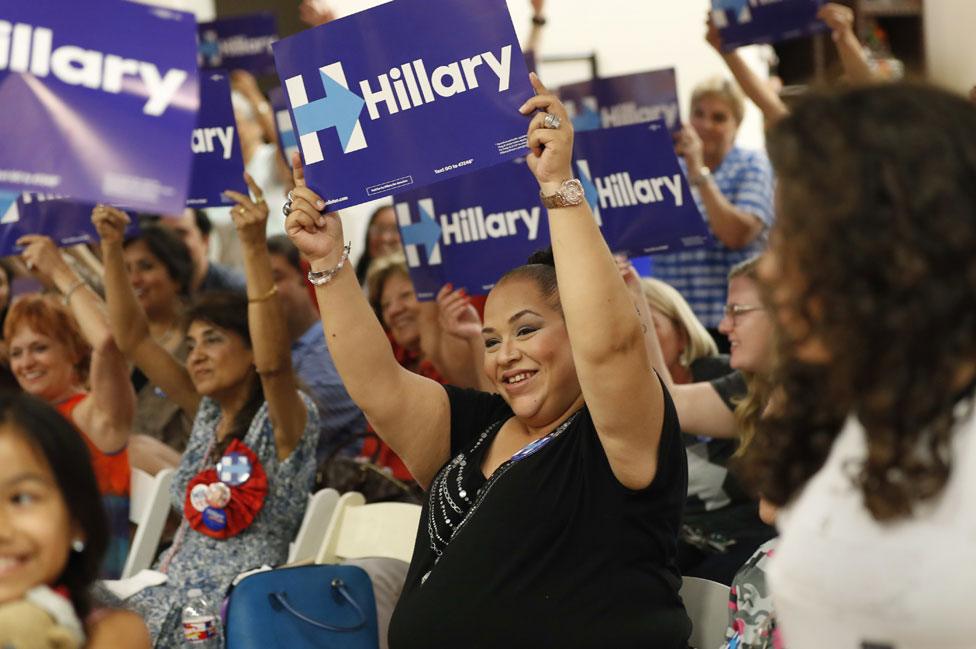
(280, 600)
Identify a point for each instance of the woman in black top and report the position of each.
(553, 509)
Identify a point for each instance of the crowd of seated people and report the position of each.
(787, 411)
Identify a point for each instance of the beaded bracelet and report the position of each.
(321, 278)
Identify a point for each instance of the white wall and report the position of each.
(951, 49)
(627, 35)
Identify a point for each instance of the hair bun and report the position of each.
(543, 256)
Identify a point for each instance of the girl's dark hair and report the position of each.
(65, 452)
(228, 310)
(874, 241)
(167, 246)
(362, 266)
(541, 269)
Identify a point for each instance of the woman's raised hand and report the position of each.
(550, 138)
(688, 145)
(627, 271)
(41, 256)
(316, 235)
(455, 313)
(110, 223)
(712, 35)
(250, 216)
(839, 18)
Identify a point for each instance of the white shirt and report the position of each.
(841, 580)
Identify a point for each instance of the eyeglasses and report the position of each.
(733, 311)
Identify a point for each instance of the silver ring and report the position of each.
(551, 121)
(291, 195)
(286, 208)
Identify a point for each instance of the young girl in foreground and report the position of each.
(53, 530)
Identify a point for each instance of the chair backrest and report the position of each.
(707, 603)
(358, 530)
(149, 506)
(318, 514)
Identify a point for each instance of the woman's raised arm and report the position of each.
(762, 95)
(106, 417)
(130, 326)
(624, 397)
(269, 336)
(411, 413)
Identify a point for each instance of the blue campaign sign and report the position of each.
(238, 43)
(217, 160)
(99, 99)
(744, 22)
(621, 101)
(287, 141)
(471, 230)
(405, 94)
(66, 222)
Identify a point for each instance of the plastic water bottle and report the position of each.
(201, 626)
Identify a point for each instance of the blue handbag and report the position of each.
(303, 607)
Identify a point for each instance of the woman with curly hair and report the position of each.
(872, 450)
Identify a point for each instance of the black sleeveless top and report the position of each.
(552, 551)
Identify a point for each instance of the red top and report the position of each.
(112, 470)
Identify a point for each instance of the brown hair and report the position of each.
(874, 241)
(380, 270)
(46, 315)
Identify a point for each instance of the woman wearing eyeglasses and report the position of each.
(721, 525)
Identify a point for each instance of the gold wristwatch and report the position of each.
(569, 194)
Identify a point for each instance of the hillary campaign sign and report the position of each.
(217, 160)
(471, 230)
(403, 95)
(66, 222)
(621, 101)
(99, 100)
(282, 119)
(238, 43)
(744, 22)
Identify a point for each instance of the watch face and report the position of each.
(572, 192)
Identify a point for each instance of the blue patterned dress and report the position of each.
(211, 564)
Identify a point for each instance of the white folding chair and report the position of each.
(358, 530)
(707, 603)
(149, 506)
(318, 514)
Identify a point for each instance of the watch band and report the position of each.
(569, 194)
(703, 175)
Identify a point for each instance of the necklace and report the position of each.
(450, 509)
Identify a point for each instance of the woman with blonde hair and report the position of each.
(689, 351)
(733, 188)
(718, 414)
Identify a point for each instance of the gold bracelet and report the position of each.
(263, 298)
